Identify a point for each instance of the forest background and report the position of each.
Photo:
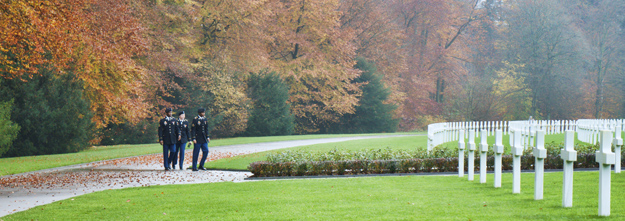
(76, 73)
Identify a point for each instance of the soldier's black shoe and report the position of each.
(193, 169)
(202, 168)
(166, 168)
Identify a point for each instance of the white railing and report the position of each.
(587, 129)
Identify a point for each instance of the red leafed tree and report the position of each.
(435, 51)
(316, 57)
(96, 40)
(378, 39)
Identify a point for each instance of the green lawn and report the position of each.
(32, 163)
(368, 198)
(241, 162)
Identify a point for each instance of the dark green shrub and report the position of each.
(270, 114)
(450, 164)
(8, 129)
(52, 113)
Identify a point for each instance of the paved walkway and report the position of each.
(24, 191)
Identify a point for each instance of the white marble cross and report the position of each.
(498, 148)
(517, 151)
(483, 155)
(461, 154)
(539, 164)
(618, 143)
(568, 155)
(605, 158)
(471, 154)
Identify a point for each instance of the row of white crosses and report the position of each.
(588, 129)
(440, 133)
(604, 157)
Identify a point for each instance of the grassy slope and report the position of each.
(373, 198)
(32, 163)
(241, 162)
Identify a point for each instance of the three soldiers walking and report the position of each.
(174, 135)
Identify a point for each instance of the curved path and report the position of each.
(20, 192)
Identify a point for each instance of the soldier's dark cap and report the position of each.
(201, 110)
(181, 112)
(167, 110)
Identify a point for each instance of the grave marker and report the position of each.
(498, 149)
(569, 155)
(461, 154)
(618, 143)
(517, 151)
(539, 165)
(471, 154)
(483, 155)
(605, 158)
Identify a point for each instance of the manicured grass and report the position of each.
(369, 198)
(32, 163)
(241, 162)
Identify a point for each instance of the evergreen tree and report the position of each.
(271, 113)
(52, 113)
(372, 114)
(8, 129)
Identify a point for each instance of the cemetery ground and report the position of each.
(374, 198)
(24, 191)
(17, 165)
(385, 197)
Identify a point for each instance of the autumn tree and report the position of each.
(602, 29)
(36, 33)
(316, 58)
(435, 49)
(94, 40)
(377, 38)
(540, 36)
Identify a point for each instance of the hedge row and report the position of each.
(268, 169)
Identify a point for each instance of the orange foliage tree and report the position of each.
(436, 51)
(96, 40)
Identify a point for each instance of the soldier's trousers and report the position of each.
(196, 154)
(179, 152)
(167, 149)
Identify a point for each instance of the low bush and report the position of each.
(380, 161)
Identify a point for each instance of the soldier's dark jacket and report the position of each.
(168, 130)
(199, 129)
(184, 131)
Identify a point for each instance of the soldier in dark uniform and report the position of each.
(185, 135)
(168, 135)
(199, 134)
